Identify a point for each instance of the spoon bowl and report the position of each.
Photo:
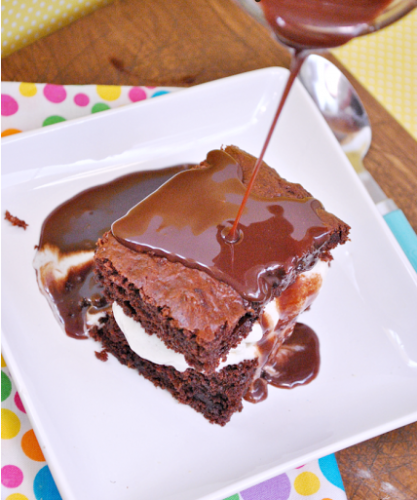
(340, 106)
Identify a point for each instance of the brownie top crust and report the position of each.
(192, 299)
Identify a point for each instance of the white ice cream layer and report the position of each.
(150, 347)
(147, 346)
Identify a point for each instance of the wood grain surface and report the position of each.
(184, 43)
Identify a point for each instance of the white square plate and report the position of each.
(108, 433)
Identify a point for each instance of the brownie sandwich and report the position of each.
(211, 319)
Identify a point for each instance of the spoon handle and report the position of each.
(404, 234)
(394, 217)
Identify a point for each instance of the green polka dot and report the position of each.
(100, 106)
(6, 386)
(52, 119)
(233, 497)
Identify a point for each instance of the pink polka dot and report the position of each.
(54, 93)
(11, 476)
(81, 99)
(9, 105)
(18, 402)
(137, 94)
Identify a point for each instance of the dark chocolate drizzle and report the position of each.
(296, 362)
(79, 222)
(75, 226)
(184, 221)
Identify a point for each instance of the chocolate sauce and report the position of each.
(79, 222)
(295, 363)
(285, 227)
(187, 225)
(288, 352)
(72, 296)
(318, 24)
(296, 63)
(75, 226)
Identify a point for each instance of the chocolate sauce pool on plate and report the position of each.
(79, 222)
(75, 226)
(296, 362)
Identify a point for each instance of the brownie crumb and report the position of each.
(15, 220)
(102, 356)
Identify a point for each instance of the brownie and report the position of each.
(195, 314)
(217, 395)
(189, 310)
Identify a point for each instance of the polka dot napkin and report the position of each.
(25, 474)
(27, 106)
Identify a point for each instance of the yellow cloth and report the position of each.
(385, 62)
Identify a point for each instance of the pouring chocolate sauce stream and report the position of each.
(305, 26)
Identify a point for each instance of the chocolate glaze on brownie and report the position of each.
(186, 221)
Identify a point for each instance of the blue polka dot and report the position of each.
(44, 486)
(329, 468)
(160, 92)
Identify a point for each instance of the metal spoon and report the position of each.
(344, 112)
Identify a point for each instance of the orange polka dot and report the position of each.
(31, 447)
(3, 363)
(10, 131)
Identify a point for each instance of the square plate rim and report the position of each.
(15, 370)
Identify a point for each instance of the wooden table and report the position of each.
(184, 43)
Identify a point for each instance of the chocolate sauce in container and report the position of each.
(317, 24)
